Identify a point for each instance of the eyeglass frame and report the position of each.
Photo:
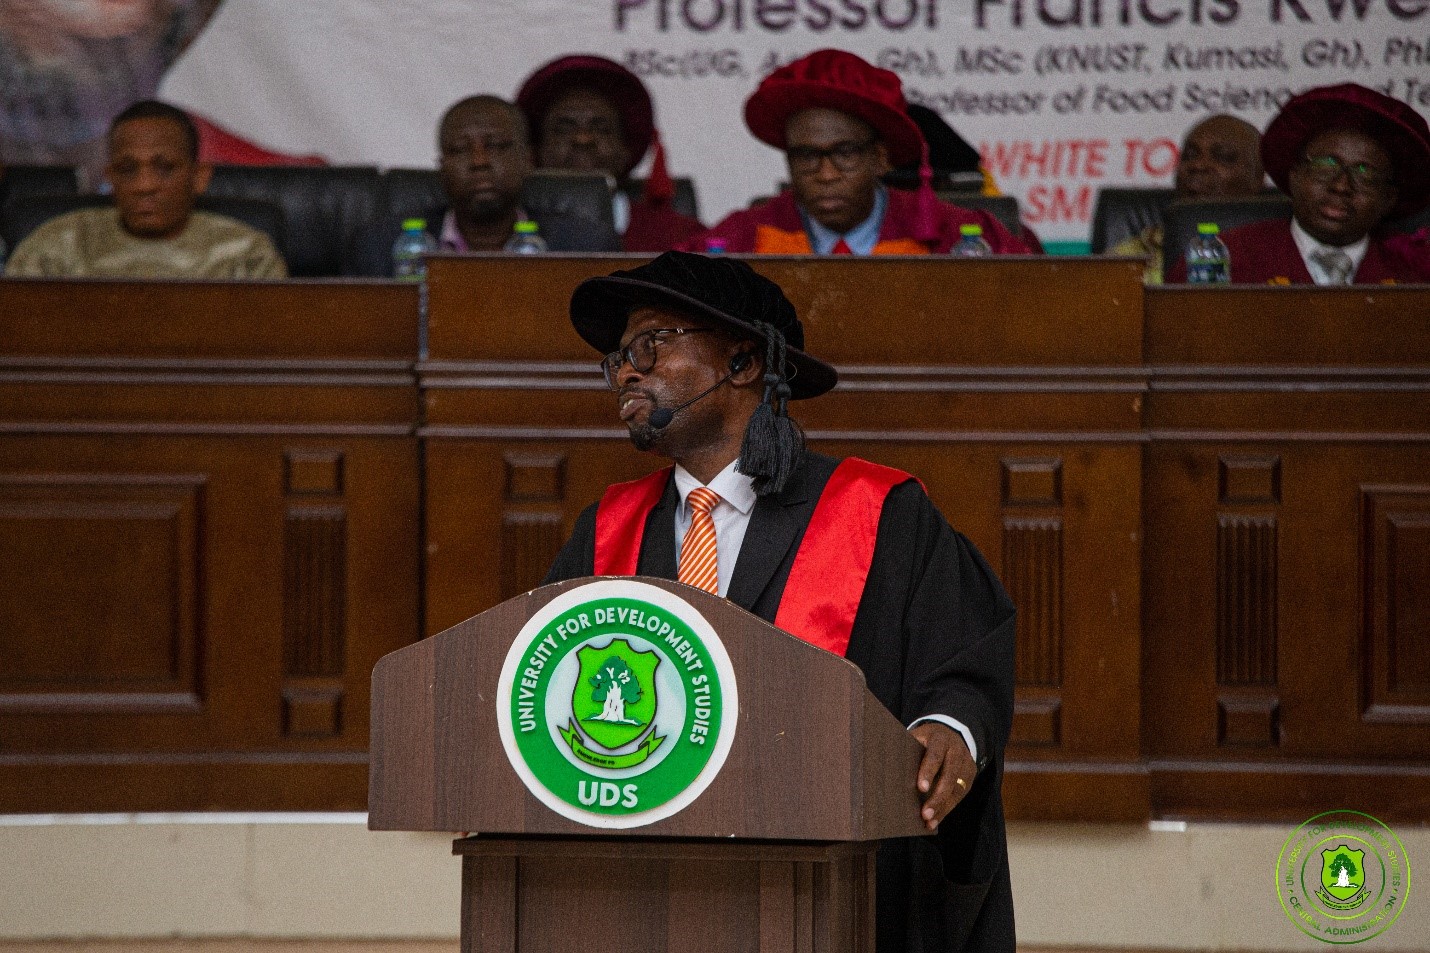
(1327, 168)
(612, 363)
(844, 156)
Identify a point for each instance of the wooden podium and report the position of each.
(775, 852)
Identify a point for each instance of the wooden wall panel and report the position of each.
(209, 534)
(220, 504)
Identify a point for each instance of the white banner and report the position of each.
(1060, 96)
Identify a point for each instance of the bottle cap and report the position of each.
(1208, 228)
(970, 230)
(526, 227)
(716, 246)
(414, 224)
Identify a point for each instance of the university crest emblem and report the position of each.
(617, 704)
(1343, 876)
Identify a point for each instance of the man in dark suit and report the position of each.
(703, 355)
(483, 161)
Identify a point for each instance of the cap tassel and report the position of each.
(659, 189)
(926, 211)
(773, 442)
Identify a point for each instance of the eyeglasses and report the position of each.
(846, 156)
(640, 353)
(1363, 178)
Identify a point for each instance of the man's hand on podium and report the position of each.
(946, 771)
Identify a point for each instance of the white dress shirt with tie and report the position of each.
(732, 518)
(1314, 253)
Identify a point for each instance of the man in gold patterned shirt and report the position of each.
(153, 230)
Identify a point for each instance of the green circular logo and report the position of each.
(617, 704)
(1342, 877)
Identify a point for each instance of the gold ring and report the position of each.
(960, 783)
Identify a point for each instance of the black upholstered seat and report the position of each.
(27, 181)
(323, 207)
(1180, 220)
(1122, 212)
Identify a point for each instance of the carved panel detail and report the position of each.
(1032, 481)
(313, 472)
(1249, 479)
(1033, 573)
(101, 607)
(535, 477)
(529, 543)
(1246, 599)
(1397, 603)
(314, 589)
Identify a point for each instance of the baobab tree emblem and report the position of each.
(1343, 873)
(614, 705)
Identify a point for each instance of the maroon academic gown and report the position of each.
(776, 228)
(656, 227)
(1265, 253)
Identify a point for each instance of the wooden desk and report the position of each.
(1211, 506)
(1286, 499)
(208, 536)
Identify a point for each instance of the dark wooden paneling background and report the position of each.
(220, 504)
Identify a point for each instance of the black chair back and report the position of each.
(1122, 212)
(410, 193)
(415, 192)
(579, 194)
(684, 200)
(20, 217)
(26, 181)
(1180, 220)
(1002, 207)
(1410, 223)
(323, 207)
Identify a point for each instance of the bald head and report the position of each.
(1221, 159)
(481, 107)
(483, 158)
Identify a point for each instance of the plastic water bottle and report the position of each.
(525, 239)
(1208, 262)
(972, 244)
(408, 252)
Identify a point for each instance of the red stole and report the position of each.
(826, 582)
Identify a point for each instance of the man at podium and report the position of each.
(703, 355)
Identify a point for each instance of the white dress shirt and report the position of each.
(732, 518)
(1308, 246)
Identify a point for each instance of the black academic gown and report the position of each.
(951, 654)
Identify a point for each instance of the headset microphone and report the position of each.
(661, 417)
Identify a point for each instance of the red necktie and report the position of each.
(699, 566)
(841, 247)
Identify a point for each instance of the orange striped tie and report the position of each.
(698, 564)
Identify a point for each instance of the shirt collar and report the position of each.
(1307, 246)
(621, 211)
(452, 239)
(861, 239)
(729, 484)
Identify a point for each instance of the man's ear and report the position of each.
(203, 172)
(746, 366)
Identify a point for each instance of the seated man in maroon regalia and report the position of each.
(842, 124)
(1351, 159)
(591, 114)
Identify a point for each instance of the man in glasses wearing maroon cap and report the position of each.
(591, 114)
(1351, 159)
(842, 123)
